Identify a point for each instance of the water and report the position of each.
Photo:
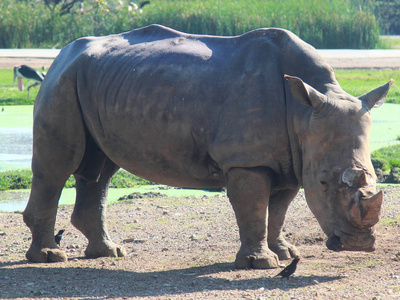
(15, 153)
(15, 148)
(11, 201)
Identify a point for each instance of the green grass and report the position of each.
(389, 42)
(15, 180)
(358, 82)
(22, 179)
(390, 155)
(9, 93)
(16, 116)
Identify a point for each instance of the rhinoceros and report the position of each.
(260, 114)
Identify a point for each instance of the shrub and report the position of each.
(124, 179)
(380, 163)
(395, 175)
(22, 179)
(15, 180)
(388, 159)
(388, 14)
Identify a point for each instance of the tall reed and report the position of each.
(324, 24)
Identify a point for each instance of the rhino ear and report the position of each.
(305, 94)
(376, 97)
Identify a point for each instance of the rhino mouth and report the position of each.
(344, 241)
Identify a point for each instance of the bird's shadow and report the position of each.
(54, 280)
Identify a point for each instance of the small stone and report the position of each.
(315, 281)
(131, 240)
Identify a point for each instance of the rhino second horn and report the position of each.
(354, 177)
(366, 212)
(371, 209)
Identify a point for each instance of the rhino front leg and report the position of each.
(248, 191)
(89, 215)
(278, 206)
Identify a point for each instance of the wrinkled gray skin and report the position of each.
(204, 112)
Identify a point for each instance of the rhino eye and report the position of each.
(324, 185)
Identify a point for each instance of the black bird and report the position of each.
(27, 73)
(143, 3)
(58, 237)
(138, 8)
(290, 269)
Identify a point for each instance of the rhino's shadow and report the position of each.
(38, 281)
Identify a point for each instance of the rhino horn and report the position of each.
(376, 97)
(356, 177)
(366, 212)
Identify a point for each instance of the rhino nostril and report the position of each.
(324, 185)
(333, 243)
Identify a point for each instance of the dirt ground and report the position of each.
(334, 62)
(37, 63)
(184, 248)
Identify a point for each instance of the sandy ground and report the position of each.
(345, 59)
(37, 63)
(184, 248)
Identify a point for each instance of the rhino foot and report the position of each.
(283, 249)
(46, 255)
(105, 249)
(257, 260)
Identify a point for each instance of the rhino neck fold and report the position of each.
(295, 145)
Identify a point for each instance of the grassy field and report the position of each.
(358, 82)
(9, 93)
(355, 82)
(389, 42)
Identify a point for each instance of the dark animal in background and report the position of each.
(58, 236)
(289, 270)
(29, 73)
(138, 8)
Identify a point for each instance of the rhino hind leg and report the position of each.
(278, 206)
(58, 148)
(248, 191)
(89, 215)
(40, 216)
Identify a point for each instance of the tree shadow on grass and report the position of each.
(34, 280)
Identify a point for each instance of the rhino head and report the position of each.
(337, 174)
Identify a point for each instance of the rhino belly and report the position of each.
(164, 154)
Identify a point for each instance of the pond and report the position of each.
(15, 153)
(15, 148)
